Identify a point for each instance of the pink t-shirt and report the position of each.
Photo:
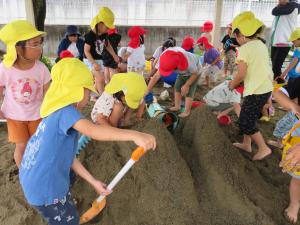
(23, 91)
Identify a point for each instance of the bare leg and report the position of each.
(112, 72)
(140, 111)
(188, 106)
(116, 114)
(263, 149)
(177, 102)
(291, 212)
(106, 75)
(237, 109)
(99, 81)
(225, 112)
(19, 152)
(246, 145)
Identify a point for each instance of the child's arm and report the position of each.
(82, 172)
(108, 133)
(286, 102)
(290, 66)
(240, 76)
(152, 82)
(87, 52)
(112, 52)
(126, 56)
(216, 60)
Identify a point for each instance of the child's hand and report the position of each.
(185, 90)
(292, 160)
(296, 110)
(146, 141)
(101, 188)
(96, 66)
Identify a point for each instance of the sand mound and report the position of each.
(195, 177)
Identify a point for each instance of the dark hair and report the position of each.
(170, 42)
(21, 43)
(119, 95)
(142, 39)
(255, 35)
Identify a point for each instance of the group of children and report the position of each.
(44, 120)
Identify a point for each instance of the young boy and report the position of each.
(222, 100)
(50, 154)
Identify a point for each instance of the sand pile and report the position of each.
(195, 177)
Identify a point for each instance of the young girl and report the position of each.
(135, 54)
(25, 80)
(253, 54)
(110, 66)
(212, 58)
(95, 42)
(123, 91)
(188, 44)
(290, 158)
(50, 153)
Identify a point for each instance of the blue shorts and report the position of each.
(284, 125)
(62, 213)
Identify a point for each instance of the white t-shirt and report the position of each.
(103, 105)
(73, 49)
(122, 51)
(158, 52)
(222, 94)
(136, 60)
(194, 65)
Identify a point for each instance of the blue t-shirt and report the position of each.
(48, 157)
(292, 73)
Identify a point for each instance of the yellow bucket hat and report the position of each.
(11, 33)
(69, 78)
(246, 23)
(295, 35)
(132, 84)
(106, 16)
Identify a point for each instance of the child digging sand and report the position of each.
(25, 80)
(50, 153)
(253, 54)
(125, 90)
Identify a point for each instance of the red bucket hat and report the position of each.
(170, 61)
(207, 26)
(187, 43)
(134, 34)
(66, 54)
(203, 40)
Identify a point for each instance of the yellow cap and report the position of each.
(69, 78)
(295, 35)
(132, 84)
(246, 23)
(11, 33)
(106, 16)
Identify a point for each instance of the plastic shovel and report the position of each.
(100, 202)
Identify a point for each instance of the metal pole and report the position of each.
(29, 11)
(217, 20)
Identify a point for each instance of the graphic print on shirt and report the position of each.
(33, 146)
(26, 90)
(99, 46)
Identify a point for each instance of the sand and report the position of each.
(195, 177)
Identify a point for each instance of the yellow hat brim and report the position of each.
(295, 35)
(106, 16)
(246, 23)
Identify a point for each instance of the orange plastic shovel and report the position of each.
(100, 202)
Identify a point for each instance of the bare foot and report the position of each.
(276, 144)
(262, 153)
(184, 114)
(174, 109)
(291, 213)
(242, 146)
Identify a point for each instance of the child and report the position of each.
(122, 67)
(212, 58)
(291, 90)
(229, 46)
(110, 66)
(188, 44)
(222, 100)
(123, 91)
(206, 29)
(188, 67)
(25, 80)
(50, 153)
(253, 54)
(96, 40)
(290, 72)
(72, 42)
(135, 55)
(290, 155)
